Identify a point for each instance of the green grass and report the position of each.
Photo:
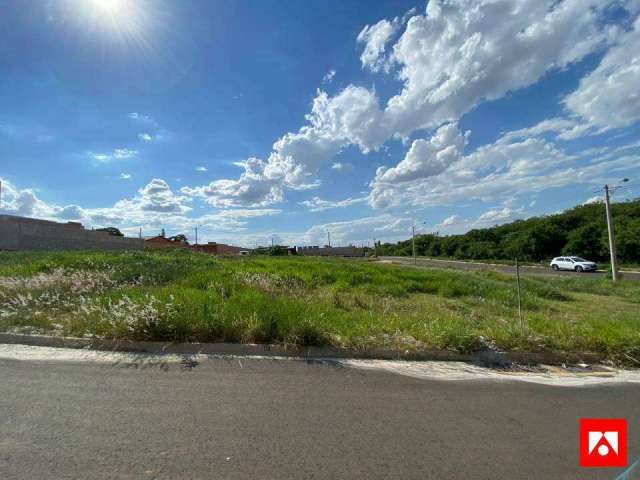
(183, 296)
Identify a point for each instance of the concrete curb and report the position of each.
(487, 357)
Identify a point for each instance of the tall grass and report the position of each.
(184, 296)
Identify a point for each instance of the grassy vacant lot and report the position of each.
(182, 296)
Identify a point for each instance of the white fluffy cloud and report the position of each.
(462, 52)
(456, 55)
(511, 166)
(375, 39)
(451, 220)
(317, 204)
(562, 128)
(24, 202)
(496, 216)
(157, 197)
(424, 160)
(427, 158)
(349, 118)
(253, 188)
(154, 199)
(70, 212)
(609, 96)
(594, 199)
(155, 206)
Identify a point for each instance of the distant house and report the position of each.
(160, 242)
(326, 251)
(214, 248)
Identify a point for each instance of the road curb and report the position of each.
(486, 357)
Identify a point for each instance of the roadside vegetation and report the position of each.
(185, 296)
(579, 231)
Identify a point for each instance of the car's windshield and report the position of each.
(578, 259)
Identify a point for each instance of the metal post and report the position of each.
(196, 235)
(413, 244)
(612, 240)
(519, 299)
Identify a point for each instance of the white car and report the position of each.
(576, 264)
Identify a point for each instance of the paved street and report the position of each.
(525, 270)
(230, 418)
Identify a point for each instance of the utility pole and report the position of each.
(413, 243)
(196, 235)
(375, 248)
(328, 238)
(519, 300)
(612, 240)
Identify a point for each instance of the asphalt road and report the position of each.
(525, 270)
(278, 419)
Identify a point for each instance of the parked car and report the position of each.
(576, 264)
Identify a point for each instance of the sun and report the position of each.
(118, 25)
(121, 16)
(112, 7)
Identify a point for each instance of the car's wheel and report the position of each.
(579, 269)
(554, 267)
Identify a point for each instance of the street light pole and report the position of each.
(612, 240)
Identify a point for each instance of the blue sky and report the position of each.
(282, 119)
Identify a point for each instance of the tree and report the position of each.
(587, 241)
(579, 231)
(180, 238)
(111, 231)
(481, 250)
(545, 241)
(516, 244)
(628, 240)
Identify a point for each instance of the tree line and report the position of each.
(580, 231)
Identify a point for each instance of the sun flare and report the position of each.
(113, 7)
(124, 17)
